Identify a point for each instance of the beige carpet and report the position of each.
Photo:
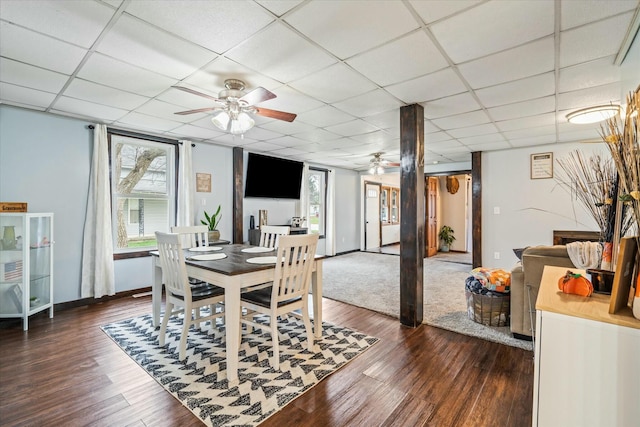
(371, 281)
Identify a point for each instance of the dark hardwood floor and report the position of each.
(66, 372)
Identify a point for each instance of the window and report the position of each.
(317, 209)
(143, 190)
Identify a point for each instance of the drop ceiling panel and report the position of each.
(525, 61)
(33, 48)
(518, 90)
(279, 7)
(99, 94)
(111, 72)
(76, 22)
(493, 27)
(434, 10)
(462, 120)
(531, 141)
(473, 130)
(287, 128)
(140, 44)
(433, 86)
(527, 122)
(211, 77)
(346, 28)
(88, 109)
(407, 58)
(280, 54)
(354, 127)
(482, 139)
(31, 77)
(599, 95)
(19, 95)
(593, 41)
(196, 132)
(216, 25)
(533, 107)
(576, 13)
(593, 73)
(149, 122)
(324, 116)
(167, 111)
(291, 100)
(334, 83)
(368, 104)
(450, 105)
(317, 135)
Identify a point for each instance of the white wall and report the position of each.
(454, 211)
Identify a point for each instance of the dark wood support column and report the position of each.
(411, 214)
(476, 207)
(238, 215)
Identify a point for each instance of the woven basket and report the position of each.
(488, 310)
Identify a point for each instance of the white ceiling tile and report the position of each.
(291, 141)
(29, 76)
(434, 10)
(280, 54)
(290, 100)
(140, 44)
(354, 127)
(523, 109)
(99, 94)
(591, 128)
(482, 139)
(432, 86)
(168, 111)
(346, 28)
(23, 95)
(533, 140)
(262, 146)
(279, 7)
(148, 122)
(531, 132)
(493, 27)
(473, 130)
(317, 135)
(197, 132)
(368, 104)
(490, 146)
(518, 90)
(285, 152)
(110, 72)
(462, 120)
(436, 137)
(575, 13)
(88, 109)
(235, 140)
(449, 146)
(524, 61)
(27, 46)
(579, 135)
(450, 105)
(527, 122)
(187, 100)
(216, 25)
(211, 77)
(375, 137)
(599, 95)
(261, 134)
(593, 41)
(324, 116)
(287, 128)
(77, 22)
(387, 120)
(333, 83)
(403, 59)
(593, 73)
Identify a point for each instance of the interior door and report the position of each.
(431, 238)
(372, 216)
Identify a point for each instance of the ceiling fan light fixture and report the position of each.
(221, 120)
(376, 170)
(594, 114)
(242, 123)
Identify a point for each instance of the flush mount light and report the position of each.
(593, 114)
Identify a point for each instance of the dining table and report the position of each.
(239, 269)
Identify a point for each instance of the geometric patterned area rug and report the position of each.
(200, 382)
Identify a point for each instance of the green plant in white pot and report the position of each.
(446, 238)
(211, 221)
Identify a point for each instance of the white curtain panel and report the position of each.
(97, 247)
(186, 186)
(330, 243)
(303, 204)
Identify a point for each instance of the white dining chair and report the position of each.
(270, 235)
(288, 292)
(192, 235)
(181, 296)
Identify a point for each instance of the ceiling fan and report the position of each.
(377, 164)
(235, 106)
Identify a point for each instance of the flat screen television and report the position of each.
(273, 177)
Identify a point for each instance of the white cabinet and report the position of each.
(26, 264)
(587, 365)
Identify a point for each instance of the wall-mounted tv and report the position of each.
(273, 177)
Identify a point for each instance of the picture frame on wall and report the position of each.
(203, 182)
(542, 165)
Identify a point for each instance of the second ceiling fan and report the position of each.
(235, 106)
(377, 164)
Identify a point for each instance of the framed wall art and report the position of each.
(203, 182)
(542, 165)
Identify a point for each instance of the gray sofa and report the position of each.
(525, 282)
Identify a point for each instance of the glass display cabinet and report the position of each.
(26, 265)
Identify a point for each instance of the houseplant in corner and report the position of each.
(211, 221)
(446, 238)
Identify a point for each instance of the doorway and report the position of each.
(372, 215)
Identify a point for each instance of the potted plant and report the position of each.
(446, 238)
(211, 221)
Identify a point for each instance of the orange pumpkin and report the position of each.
(577, 284)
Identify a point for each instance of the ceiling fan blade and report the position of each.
(199, 110)
(275, 114)
(195, 92)
(257, 95)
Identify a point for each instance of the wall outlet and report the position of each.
(496, 210)
(204, 202)
(496, 255)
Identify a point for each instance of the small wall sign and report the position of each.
(542, 165)
(203, 182)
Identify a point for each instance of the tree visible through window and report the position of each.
(143, 191)
(317, 181)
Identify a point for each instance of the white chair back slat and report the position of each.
(174, 270)
(192, 235)
(270, 235)
(293, 276)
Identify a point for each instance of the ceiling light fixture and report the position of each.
(233, 119)
(593, 114)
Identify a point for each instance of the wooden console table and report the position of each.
(562, 237)
(586, 369)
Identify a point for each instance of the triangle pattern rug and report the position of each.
(200, 381)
